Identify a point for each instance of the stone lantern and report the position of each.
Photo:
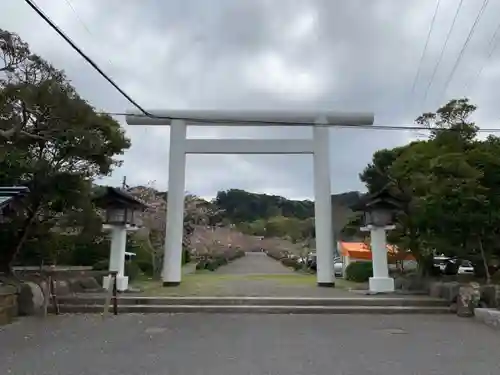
(121, 214)
(379, 211)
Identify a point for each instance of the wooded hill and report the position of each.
(276, 216)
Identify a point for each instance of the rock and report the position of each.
(75, 286)
(89, 283)
(453, 308)
(490, 317)
(410, 283)
(468, 299)
(31, 299)
(435, 289)
(449, 291)
(490, 294)
(399, 283)
(62, 288)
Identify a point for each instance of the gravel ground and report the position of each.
(254, 263)
(195, 344)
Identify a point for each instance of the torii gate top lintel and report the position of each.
(250, 117)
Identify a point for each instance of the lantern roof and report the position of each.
(116, 198)
(383, 199)
(9, 193)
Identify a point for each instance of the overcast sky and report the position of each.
(357, 55)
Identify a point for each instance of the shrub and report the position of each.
(102, 265)
(216, 260)
(289, 262)
(297, 266)
(211, 265)
(359, 272)
(275, 254)
(145, 266)
(132, 270)
(451, 268)
(201, 265)
(428, 268)
(495, 278)
(186, 256)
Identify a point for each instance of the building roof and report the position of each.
(361, 251)
(9, 193)
(382, 198)
(115, 197)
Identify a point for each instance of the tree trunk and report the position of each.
(485, 261)
(10, 255)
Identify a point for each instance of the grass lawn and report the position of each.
(206, 283)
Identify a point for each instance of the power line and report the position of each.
(194, 120)
(61, 33)
(85, 57)
(464, 46)
(83, 23)
(144, 112)
(70, 4)
(450, 31)
(433, 21)
(492, 45)
(402, 127)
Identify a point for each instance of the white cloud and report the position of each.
(271, 74)
(314, 54)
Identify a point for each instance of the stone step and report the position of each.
(259, 301)
(259, 309)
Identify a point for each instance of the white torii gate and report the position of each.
(318, 146)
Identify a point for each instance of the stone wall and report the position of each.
(489, 295)
(8, 304)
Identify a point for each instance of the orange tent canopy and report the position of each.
(361, 251)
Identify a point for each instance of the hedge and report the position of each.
(132, 269)
(276, 254)
(359, 272)
(214, 261)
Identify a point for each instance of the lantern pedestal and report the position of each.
(117, 255)
(121, 283)
(380, 282)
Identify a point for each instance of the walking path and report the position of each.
(254, 264)
(254, 275)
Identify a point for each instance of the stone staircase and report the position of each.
(261, 305)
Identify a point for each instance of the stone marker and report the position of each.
(468, 299)
(31, 299)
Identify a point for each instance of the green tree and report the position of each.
(450, 187)
(51, 140)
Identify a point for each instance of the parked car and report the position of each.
(441, 262)
(453, 266)
(311, 261)
(465, 268)
(338, 267)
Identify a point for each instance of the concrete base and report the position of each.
(327, 285)
(490, 317)
(171, 283)
(121, 283)
(381, 284)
